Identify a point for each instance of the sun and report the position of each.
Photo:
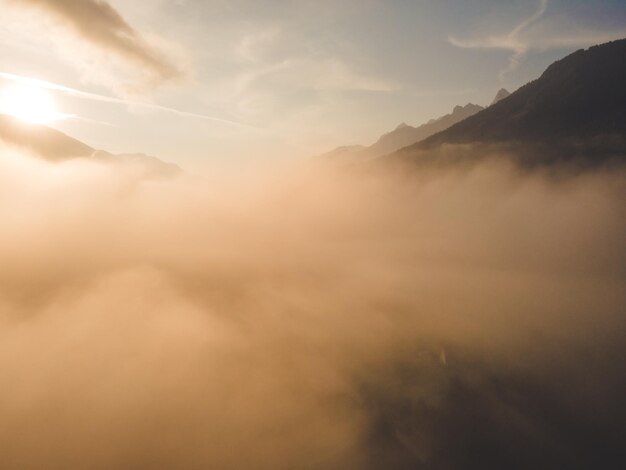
(30, 104)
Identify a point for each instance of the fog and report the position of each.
(313, 317)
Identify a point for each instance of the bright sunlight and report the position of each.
(29, 103)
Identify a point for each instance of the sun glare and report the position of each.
(30, 104)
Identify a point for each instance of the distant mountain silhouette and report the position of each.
(403, 135)
(407, 135)
(576, 109)
(44, 141)
(53, 145)
(502, 93)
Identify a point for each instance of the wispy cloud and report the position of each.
(96, 22)
(328, 74)
(109, 99)
(537, 33)
(513, 41)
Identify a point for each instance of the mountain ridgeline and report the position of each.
(502, 93)
(405, 135)
(43, 141)
(576, 111)
(55, 146)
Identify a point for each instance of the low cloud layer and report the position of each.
(317, 318)
(98, 23)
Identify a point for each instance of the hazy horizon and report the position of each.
(294, 79)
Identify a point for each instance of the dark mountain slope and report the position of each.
(581, 98)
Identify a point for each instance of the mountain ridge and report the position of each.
(404, 135)
(502, 94)
(580, 97)
(55, 146)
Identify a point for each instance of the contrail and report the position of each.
(543, 6)
(109, 99)
(510, 41)
(515, 59)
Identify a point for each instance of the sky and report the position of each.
(206, 82)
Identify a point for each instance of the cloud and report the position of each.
(529, 35)
(309, 319)
(99, 24)
(512, 41)
(318, 75)
(282, 70)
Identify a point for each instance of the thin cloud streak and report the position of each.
(512, 41)
(520, 43)
(543, 6)
(109, 99)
